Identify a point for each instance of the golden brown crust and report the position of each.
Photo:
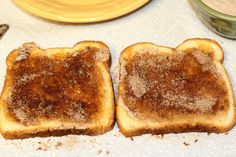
(175, 129)
(58, 132)
(130, 47)
(221, 59)
(102, 44)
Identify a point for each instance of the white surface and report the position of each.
(165, 22)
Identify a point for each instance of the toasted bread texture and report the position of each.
(57, 91)
(166, 90)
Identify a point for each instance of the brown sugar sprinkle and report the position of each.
(165, 84)
(49, 88)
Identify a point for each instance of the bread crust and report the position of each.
(58, 132)
(174, 129)
(220, 57)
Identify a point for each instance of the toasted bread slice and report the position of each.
(57, 91)
(165, 90)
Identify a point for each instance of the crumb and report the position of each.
(58, 144)
(208, 133)
(39, 148)
(99, 152)
(70, 142)
(157, 136)
(160, 136)
(107, 152)
(42, 148)
(131, 138)
(117, 134)
(93, 141)
(196, 140)
(186, 144)
(67, 142)
(226, 133)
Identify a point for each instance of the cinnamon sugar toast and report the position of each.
(166, 90)
(57, 91)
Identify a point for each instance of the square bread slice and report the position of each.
(165, 90)
(57, 91)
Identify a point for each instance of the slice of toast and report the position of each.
(57, 91)
(165, 90)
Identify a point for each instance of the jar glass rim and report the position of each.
(214, 12)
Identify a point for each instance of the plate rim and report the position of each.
(46, 15)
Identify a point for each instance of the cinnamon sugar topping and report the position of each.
(181, 82)
(51, 88)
